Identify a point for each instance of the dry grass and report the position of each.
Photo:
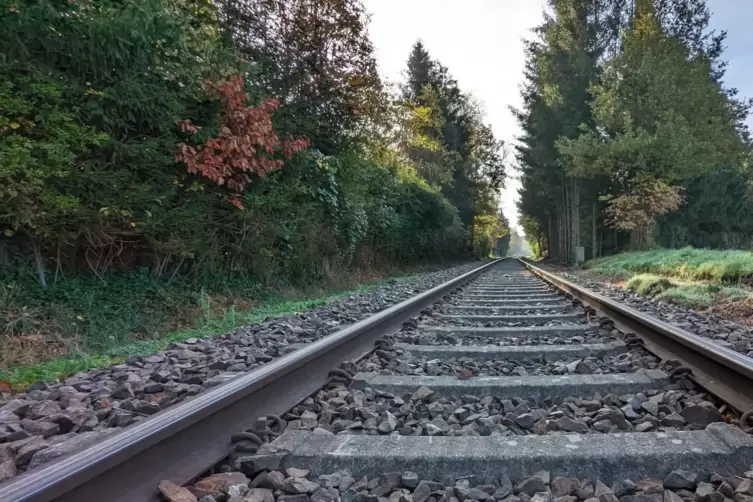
(16, 350)
(739, 311)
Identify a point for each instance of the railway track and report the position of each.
(506, 383)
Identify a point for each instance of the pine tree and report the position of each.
(631, 45)
(418, 74)
(444, 133)
(665, 120)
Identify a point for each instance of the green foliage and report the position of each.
(648, 126)
(702, 295)
(129, 70)
(316, 57)
(624, 114)
(648, 284)
(444, 135)
(717, 212)
(534, 234)
(24, 376)
(115, 346)
(41, 147)
(113, 190)
(97, 99)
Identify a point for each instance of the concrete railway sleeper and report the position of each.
(500, 388)
(570, 421)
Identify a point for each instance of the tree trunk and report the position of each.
(566, 223)
(594, 237)
(563, 234)
(39, 263)
(556, 244)
(4, 254)
(562, 226)
(575, 220)
(550, 237)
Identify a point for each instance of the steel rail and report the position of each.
(723, 372)
(183, 441)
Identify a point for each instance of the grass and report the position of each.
(689, 264)
(687, 294)
(694, 278)
(62, 367)
(55, 334)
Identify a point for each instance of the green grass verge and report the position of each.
(728, 267)
(687, 294)
(58, 368)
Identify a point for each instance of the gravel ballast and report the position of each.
(50, 420)
(397, 362)
(340, 410)
(268, 481)
(368, 407)
(713, 327)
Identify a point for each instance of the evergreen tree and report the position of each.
(444, 133)
(418, 74)
(609, 144)
(658, 118)
(562, 65)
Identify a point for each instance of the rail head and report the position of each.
(736, 365)
(118, 456)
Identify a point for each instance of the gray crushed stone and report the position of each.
(244, 481)
(713, 327)
(398, 362)
(340, 410)
(53, 419)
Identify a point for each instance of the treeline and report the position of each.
(254, 137)
(630, 138)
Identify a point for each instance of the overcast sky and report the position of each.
(480, 42)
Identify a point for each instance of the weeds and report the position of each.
(686, 294)
(69, 329)
(721, 266)
(693, 278)
(648, 284)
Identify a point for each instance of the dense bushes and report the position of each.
(87, 146)
(90, 180)
(152, 149)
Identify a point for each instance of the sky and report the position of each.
(480, 41)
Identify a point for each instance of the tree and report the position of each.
(503, 241)
(561, 66)
(316, 58)
(579, 49)
(658, 118)
(445, 135)
(88, 192)
(246, 144)
(43, 152)
(422, 141)
(418, 74)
